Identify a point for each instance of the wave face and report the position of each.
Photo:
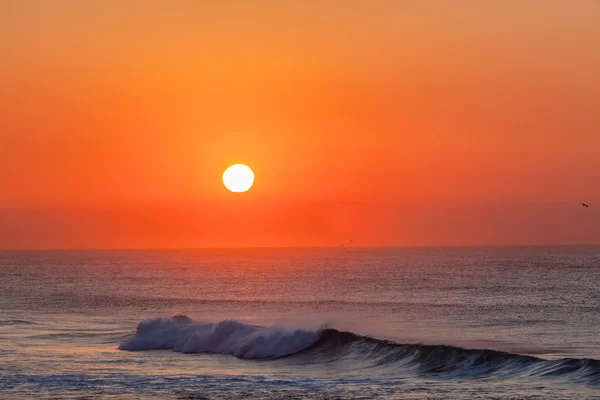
(450, 361)
(180, 333)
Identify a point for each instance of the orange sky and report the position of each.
(387, 122)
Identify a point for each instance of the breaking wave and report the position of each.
(181, 334)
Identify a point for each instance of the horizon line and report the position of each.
(291, 247)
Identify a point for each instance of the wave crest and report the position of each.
(181, 334)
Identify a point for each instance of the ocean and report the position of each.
(343, 323)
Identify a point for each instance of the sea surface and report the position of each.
(343, 323)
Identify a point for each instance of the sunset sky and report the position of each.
(448, 122)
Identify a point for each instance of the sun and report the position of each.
(238, 178)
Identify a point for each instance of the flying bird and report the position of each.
(585, 205)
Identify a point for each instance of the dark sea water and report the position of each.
(402, 323)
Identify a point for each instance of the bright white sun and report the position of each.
(238, 178)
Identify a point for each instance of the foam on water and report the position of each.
(181, 334)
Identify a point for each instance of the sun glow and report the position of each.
(238, 178)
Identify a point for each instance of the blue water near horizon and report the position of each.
(415, 323)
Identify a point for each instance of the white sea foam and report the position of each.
(184, 335)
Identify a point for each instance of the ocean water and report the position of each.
(355, 323)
